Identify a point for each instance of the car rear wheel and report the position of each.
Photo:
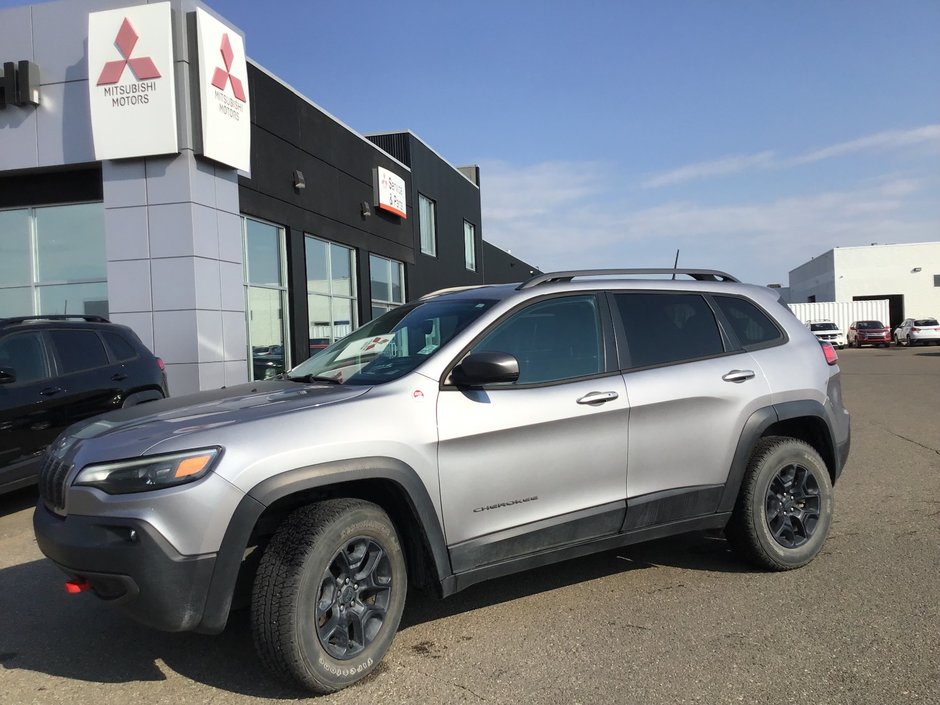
(329, 594)
(784, 507)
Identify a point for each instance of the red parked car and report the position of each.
(869, 333)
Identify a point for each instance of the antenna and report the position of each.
(675, 265)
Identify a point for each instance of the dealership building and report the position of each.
(151, 173)
(906, 275)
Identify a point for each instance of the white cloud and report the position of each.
(760, 240)
(719, 167)
(734, 164)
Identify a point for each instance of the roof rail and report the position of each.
(55, 317)
(697, 274)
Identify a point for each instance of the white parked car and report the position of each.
(918, 330)
(827, 331)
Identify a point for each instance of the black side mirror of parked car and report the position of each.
(7, 375)
(481, 368)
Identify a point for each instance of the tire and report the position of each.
(910, 343)
(295, 599)
(761, 530)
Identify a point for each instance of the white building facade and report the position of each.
(907, 275)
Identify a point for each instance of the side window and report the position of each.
(120, 348)
(553, 340)
(23, 352)
(750, 324)
(78, 350)
(664, 328)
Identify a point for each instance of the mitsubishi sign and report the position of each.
(224, 104)
(131, 86)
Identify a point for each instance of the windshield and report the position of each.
(869, 325)
(392, 345)
(823, 326)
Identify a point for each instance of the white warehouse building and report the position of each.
(907, 275)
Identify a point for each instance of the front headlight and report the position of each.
(149, 473)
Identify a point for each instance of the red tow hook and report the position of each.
(73, 587)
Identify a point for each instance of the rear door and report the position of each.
(690, 388)
(541, 462)
(91, 382)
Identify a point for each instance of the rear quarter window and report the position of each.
(753, 327)
(120, 348)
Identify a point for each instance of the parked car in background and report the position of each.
(267, 361)
(827, 331)
(56, 370)
(873, 333)
(918, 330)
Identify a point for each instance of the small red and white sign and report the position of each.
(131, 85)
(389, 190)
(223, 93)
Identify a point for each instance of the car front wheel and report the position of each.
(329, 594)
(784, 507)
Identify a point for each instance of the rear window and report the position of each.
(926, 322)
(79, 350)
(823, 326)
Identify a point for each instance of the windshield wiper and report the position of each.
(314, 378)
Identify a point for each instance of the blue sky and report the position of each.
(750, 135)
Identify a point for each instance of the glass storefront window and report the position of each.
(331, 291)
(266, 291)
(52, 261)
(388, 284)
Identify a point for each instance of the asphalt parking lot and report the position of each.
(674, 621)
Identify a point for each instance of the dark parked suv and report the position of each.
(56, 370)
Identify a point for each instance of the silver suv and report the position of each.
(468, 435)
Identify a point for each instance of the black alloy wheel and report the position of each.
(353, 599)
(792, 506)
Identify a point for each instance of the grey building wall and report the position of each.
(172, 227)
(815, 278)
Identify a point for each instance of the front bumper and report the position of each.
(131, 565)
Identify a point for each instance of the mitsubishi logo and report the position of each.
(222, 76)
(142, 67)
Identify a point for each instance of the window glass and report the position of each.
(664, 328)
(264, 253)
(552, 340)
(469, 246)
(331, 291)
(70, 243)
(750, 324)
(16, 267)
(78, 350)
(120, 349)
(23, 353)
(380, 276)
(388, 284)
(17, 301)
(427, 224)
(91, 299)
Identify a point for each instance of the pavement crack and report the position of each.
(476, 695)
(911, 440)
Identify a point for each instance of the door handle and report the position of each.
(51, 391)
(738, 376)
(595, 398)
(118, 377)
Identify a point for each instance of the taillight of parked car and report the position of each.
(161, 364)
(830, 352)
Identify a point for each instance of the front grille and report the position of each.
(52, 478)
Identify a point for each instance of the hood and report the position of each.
(131, 432)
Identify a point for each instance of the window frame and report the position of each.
(471, 264)
(432, 243)
(608, 344)
(728, 328)
(352, 298)
(283, 288)
(390, 304)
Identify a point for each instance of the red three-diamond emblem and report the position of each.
(142, 66)
(222, 76)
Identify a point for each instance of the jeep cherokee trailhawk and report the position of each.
(468, 435)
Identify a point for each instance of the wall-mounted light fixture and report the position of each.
(299, 183)
(365, 209)
(915, 270)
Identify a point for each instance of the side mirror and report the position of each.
(478, 369)
(7, 375)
